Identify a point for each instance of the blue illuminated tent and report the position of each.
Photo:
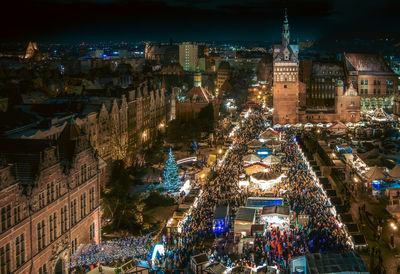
(221, 219)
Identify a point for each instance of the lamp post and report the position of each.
(393, 226)
(220, 151)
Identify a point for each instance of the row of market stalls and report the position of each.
(380, 179)
(181, 214)
(336, 204)
(377, 115)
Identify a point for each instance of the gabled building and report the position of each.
(198, 97)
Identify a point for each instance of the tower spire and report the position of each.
(197, 77)
(285, 30)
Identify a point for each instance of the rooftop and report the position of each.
(366, 62)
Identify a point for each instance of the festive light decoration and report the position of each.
(172, 179)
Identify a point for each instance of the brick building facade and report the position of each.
(375, 81)
(49, 201)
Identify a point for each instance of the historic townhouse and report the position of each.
(49, 201)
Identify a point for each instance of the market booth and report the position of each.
(199, 263)
(269, 134)
(251, 158)
(220, 219)
(376, 178)
(137, 266)
(260, 202)
(276, 215)
(245, 218)
(338, 128)
(272, 144)
(271, 160)
(215, 268)
(255, 168)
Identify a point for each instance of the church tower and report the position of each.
(286, 85)
(285, 31)
(197, 78)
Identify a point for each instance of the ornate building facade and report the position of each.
(49, 200)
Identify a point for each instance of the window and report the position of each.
(73, 212)
(41, 235)
(52, 191)
(41, 200)
(74, 245)
(64, 219)
(48, 193)
(5, 262)
(3, 219)
(83, 205)
(20, 250)
(285, 86)
(92, 232)
(53, 226)
(378, 82)
(83, 173)
(43, 269)
(17, 214)
(91, 199)
(77, 178)
(58, 190)
(8, 216)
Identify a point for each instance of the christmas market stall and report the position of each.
(220, 219)
(276, 215)
(245, 218)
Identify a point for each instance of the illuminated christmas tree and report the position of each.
(172, 180)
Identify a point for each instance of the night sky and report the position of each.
(200, 20)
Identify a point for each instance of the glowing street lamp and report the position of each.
(394, 229)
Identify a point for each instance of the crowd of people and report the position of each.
(275, 247)
(224, 191)
(111, 251)
(321, 231)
